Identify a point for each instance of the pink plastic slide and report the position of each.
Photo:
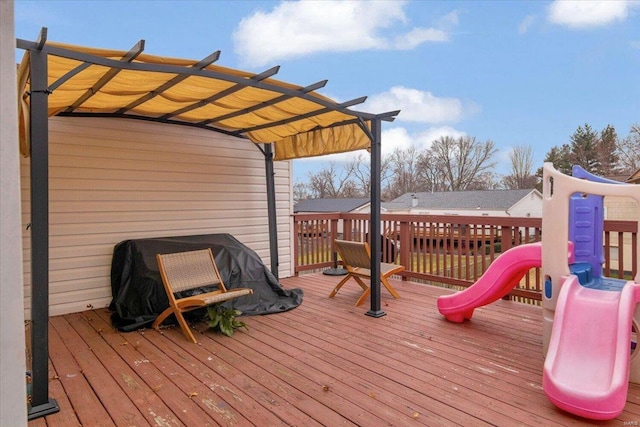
(586, 371)
(501, 277)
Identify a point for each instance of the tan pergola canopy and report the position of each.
(108, 83)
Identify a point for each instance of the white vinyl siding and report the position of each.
(12, 329)
(529, 206)
(116, 179)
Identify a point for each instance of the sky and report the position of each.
(518, 73)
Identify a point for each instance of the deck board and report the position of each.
(67, 355)
(324, 363)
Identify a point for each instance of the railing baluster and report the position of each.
(451, 250)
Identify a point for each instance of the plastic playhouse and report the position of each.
(587, 318)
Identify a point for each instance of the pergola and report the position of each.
(283, 120)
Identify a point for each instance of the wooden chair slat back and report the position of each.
(354, 254)
(189, 270)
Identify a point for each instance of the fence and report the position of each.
(452, 251)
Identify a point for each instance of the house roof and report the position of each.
(634, 178)
(297, 120)
(330, 205)
(482, 199)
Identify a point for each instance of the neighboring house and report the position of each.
(341, 205)
(513, 203)
(353, 205)
(634, 178)
(622, 209)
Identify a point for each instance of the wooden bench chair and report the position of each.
(356, 257)
(184, 271)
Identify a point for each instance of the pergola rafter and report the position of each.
(222, 94)
(310, 88)
(298, 117)
(174, 81)
(128, 57)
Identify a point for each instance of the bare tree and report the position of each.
(360, 171)
(404, 177)
(487, 180)
(451, 164)
(431, 173)
(331, 182)
(521, 174)
(628, 151)
(463, 160)
(300, 191)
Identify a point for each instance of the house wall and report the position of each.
(623, 209)
(116, 179)
(13, 408)
(465, 212)
(528, 207)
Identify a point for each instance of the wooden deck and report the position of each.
(322, 364)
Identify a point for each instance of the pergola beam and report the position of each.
(258, 77)
(175, 69)
(174, 81)
(68, 76)
(298, 117)
(265, 104)
(42, 39)
(149, 119)
(110, 74)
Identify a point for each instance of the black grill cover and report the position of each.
(139, 296)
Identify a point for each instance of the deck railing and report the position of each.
(449, 250)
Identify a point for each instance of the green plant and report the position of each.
(224, 319)
(497, 248)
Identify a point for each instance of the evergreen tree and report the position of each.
(584, 149)
(607, 151)
(560, 157)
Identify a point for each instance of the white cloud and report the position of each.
(419, 106)
(635, 44)
(394, 138)
(417, 36)
(426, 137)
(586, 14)
(401, 138)
(449, 20)
(338, 157)
(294, 29)
(526, 23)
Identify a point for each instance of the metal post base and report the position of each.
(51, 407)
(335, 272)
(378, 313)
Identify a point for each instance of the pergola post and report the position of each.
(271, 208)
(374, 222)
(41, 404)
